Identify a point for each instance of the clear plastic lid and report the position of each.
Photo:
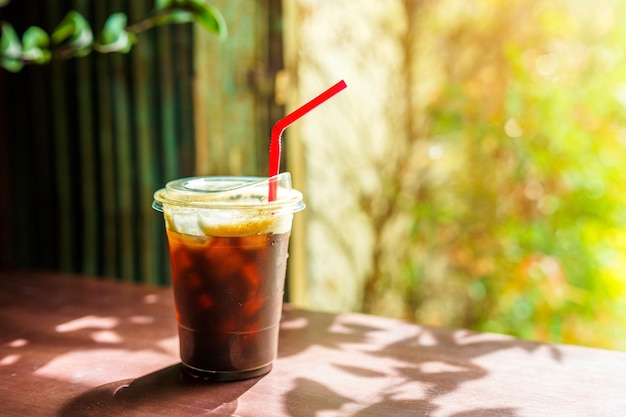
(229, 193)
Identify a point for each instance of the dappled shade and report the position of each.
(349, 364)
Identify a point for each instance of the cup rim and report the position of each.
(225, 192)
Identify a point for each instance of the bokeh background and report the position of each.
(477, 165)
(470, 176)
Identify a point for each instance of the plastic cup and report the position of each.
(228, 252)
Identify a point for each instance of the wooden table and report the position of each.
(77, 346)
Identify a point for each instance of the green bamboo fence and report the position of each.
(86, 142)
(90, 140)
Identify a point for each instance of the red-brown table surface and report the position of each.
(78, 346)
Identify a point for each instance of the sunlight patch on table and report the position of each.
(88, 368)
(17, 343)
(142, 319)
(294, 324)
(106, 336)
(87, 322)
(151, 299)
(9, 360)
(170, 345)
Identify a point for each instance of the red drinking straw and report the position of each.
(282, 124)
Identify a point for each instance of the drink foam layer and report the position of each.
(223, 224)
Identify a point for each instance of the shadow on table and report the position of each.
(424, 366)
(78, 317)
(167, 390)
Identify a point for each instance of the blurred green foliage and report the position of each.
(526, 198)
(74, 37)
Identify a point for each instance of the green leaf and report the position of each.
(35, 37)
(35, 42)
(12, 65)
(174, 16)
(162, 4)
(184, 11)
(75, 32)
(208, 16)
(10, 49)
(114, 37)
(10, 45)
